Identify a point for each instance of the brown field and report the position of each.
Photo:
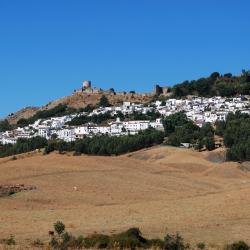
(159, 190)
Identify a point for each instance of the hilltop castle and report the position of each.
(158, 90)
(87, 88)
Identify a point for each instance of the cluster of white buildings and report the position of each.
(203, 110)
(198, 109)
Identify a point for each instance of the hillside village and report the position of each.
(200, 110)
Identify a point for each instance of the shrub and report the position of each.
(10, 241)
(155, 243)
(64, 240)
(59, 227)
(132, 238)
(239, 245)
(97, 240)
(173, 242)
(201, 245)
(103, 102)
(38, 243)
(11, 192)
(54, 243)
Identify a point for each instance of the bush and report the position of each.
(64, 240)
(173, 242)
(201, 245)
(10, 241)
(97, 240)
(239, 245)
(59, 227)
(132, 238)
(38, 243)
(155, 243)
(104, 102)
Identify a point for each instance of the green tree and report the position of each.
(59, 227)
(4, 125)
(104, 102)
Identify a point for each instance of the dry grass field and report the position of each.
(159, 190)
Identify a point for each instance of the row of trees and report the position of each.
(106, 145)
(236, 133)
(98, 145)
(23, 146)
(179, 129)
(129, 239)
(216, 84)
(83, 119)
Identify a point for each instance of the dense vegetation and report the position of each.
(22, 146)
(103, 102)
(98, 145)
(84, 119)
(5, 126)
(216, 84)
(132, 238)
(179, 129)
(59, 110)
(236, 134)
(106, 145)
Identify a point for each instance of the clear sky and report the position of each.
(47, 47)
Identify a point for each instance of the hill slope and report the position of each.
(80, 100)
(159, 190)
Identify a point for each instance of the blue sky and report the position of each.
(47, 47)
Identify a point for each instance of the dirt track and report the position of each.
(158, 190)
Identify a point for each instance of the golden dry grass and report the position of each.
(159, 190)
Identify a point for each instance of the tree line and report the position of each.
(108, 145)
(23, 146)
(236, 134)
(62, 239)
(225, 85)
(179, 129)
(97, 145)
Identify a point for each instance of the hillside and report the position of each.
(80, 100)
(225, 85)
(159, 190)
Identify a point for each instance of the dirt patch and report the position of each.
(216, 156)
(245, 166)
(8, 190)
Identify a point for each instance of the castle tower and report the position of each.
(86, 84)
(157, 90)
